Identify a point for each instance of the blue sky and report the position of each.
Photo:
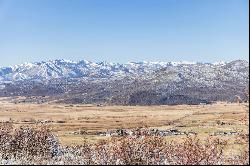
(123, 30)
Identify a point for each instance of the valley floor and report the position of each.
(69, 122)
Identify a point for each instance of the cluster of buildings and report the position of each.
(144, 132)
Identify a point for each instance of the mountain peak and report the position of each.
(63, 61)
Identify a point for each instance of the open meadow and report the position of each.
(65, 119)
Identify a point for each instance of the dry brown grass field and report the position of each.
(64, 120)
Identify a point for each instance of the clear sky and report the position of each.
(123, 30)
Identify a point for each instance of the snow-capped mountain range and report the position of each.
(86, 69)
(134, 83)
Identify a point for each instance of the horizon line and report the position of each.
(136, 62)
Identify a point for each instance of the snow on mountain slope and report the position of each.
(86, 69)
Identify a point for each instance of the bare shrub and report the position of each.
(26, 145)
(26, 141)
(154, 150)
(195, 152)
